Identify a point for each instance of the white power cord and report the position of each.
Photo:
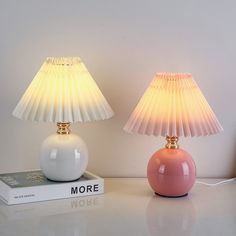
(215, 184)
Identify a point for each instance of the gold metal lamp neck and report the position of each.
(63, 128)
(172, 142)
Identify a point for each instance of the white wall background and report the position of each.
(123, 43)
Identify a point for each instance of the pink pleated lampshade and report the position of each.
(173, 105)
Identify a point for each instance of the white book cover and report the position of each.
(33, 186)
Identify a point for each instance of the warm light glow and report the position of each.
(63, 91)
(173, 105)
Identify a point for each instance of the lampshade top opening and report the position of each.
(63, 61)
(173, 76)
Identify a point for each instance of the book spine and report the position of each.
(4, 192)
(57, 191)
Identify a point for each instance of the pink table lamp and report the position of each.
(172, 106)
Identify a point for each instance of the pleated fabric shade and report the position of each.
(173, 105)
(63, 91)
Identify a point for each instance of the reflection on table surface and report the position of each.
(177, 221)
(128, 207)
(48, 208)
(59, 217)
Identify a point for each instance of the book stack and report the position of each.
(33, 186)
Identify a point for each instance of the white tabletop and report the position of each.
(128, 207)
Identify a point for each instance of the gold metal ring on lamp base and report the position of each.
(172, 142)
(63, 128)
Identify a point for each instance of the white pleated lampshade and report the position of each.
(173, 105)
(63, 91)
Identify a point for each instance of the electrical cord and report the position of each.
(215, 184)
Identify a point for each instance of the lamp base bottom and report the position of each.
(59, 181)
(186, 194)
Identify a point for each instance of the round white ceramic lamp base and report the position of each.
(63, 157)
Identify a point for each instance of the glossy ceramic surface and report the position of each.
(171, 172)
(63, 157)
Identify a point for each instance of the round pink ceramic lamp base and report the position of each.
(171, 172)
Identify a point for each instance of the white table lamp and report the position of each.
(63, 92)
